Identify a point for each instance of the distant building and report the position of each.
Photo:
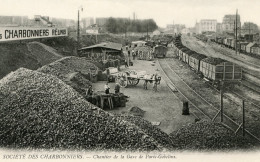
(197, 28)
(59, 22)
(185, 31)
(88, 21)
(179, 27)
(92, 29)
(157, 32)
(170, 31)
(170, 26)
(101, 21)
(228, 23)
(249, 28)
(14, 20)
(207, 25)
(219, 28)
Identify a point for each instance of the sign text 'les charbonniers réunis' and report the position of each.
(20, 33)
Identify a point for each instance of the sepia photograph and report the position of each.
(130, 80)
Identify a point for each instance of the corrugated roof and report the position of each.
(110, 45)
(250, 44)
(146, 48)
(136, 42)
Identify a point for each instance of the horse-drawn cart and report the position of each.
(132, 78)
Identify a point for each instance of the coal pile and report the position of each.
(208, 136)
(162, 138)
(44, 54)
(74, 71)
(136, 111)
(64, 66)
(38, 110)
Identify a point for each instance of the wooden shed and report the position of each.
(194, 61)
(217, 69)
(101, 51)
(248, 47)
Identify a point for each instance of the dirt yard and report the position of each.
(162, 106)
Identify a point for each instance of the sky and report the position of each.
(162, 11)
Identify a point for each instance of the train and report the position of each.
(214, 69)
(243, 46)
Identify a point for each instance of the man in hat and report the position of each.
(117, 88)
(106, 88)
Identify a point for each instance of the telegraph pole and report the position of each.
(78, 33)
(147, 32)
(236, 33)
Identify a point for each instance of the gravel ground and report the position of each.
(162, 106)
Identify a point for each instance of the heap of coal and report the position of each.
(161, 137)
(38, 110)
(207, 135)
(74, 71)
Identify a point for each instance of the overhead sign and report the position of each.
(20, 33)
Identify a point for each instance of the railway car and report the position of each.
(217, 69)
(243, 46)
(194, 61)
(186, 55)
(229, 42)
(160, 51)
(233, 43)
(181, 50)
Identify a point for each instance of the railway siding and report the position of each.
(198, 92)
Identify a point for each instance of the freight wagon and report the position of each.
(181, 50)
(216, 69)
(186, 55)
(194, 61)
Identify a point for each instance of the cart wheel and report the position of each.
(133, 81)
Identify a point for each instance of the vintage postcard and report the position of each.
(129, 80)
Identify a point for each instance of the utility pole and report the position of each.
(78, 34)
(147, 32)
(125, 29)
(249, 28)
(236, 34)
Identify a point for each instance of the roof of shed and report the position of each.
(110, 45)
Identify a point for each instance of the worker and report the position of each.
(126, 64)
(155, 82)
(145, 81)
(106, 88)
(117, 88)
(133, 54)
(89, 91)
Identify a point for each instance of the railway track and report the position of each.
(247, 84)
(197, 101)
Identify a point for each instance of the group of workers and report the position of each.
(89, 91)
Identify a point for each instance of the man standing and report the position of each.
(89, 91)
(117, 88)
(106, 88)
(133, 54)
